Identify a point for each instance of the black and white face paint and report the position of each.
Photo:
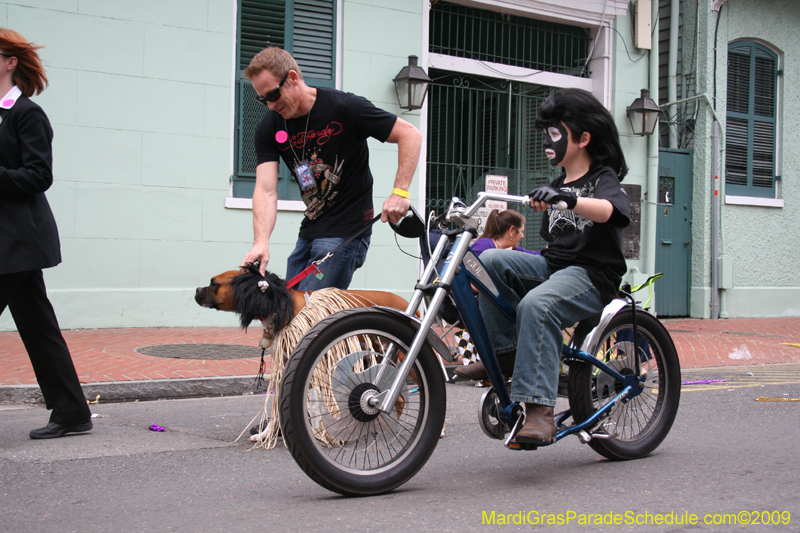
(556, 139)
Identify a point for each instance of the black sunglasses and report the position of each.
(274, 95)
(4, 55)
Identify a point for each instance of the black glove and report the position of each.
(551, 195)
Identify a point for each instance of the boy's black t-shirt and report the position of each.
(575, 240)
(332, 139)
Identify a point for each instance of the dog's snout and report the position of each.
(201, 296)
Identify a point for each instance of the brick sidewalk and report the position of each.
(109, 355)
(708, 343)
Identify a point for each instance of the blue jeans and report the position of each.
(546, 302)
(337, 270)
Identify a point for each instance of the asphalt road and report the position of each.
(727, 453)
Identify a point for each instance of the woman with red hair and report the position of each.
(29, 237)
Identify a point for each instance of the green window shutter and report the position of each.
(306, 29)
(261, 23)
(751, 120)
(313, 40)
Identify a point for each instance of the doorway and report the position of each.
(674, 232)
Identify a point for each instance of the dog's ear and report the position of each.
(252, 303)
(252, 268)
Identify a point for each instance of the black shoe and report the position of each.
(53, 430)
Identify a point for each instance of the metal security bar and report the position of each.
(480, 126)
(508, 39)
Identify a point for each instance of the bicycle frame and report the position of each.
(462, 270)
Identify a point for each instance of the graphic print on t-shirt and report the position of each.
(326, 176)
(333, 137)
(564, 222)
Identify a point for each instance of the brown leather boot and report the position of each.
(477, 371)
(540, 425)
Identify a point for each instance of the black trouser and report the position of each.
(26, 297)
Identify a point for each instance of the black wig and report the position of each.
(252, 303)
(582, 112)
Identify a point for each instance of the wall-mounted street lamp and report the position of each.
(643, 114)
(412, 84)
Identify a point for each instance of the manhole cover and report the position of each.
(200, 351)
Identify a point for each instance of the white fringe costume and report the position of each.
(320, 304)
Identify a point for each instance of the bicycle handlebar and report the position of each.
(459, 209)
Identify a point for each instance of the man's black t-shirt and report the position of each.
(575, 240)
(332, 139)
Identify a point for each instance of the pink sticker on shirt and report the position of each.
(9, 102)
(281, 136)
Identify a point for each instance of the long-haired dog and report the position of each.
(255, 297)
(266, 298)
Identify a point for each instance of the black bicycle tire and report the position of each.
(301, 443)
(668, 398)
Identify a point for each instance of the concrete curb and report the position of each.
(154, 389)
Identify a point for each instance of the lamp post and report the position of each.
(411, 84)
(643, 114)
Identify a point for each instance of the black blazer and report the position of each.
(28, 233)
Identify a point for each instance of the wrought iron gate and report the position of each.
(479, 126)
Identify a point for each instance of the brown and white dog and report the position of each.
(266, 298)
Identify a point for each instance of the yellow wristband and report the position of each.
(400, 192)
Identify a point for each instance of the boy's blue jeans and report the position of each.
(545, 302)
(337, 270)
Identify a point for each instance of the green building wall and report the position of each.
(758, 243)
(141, 101)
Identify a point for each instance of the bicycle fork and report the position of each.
(386, 400)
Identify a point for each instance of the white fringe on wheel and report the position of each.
(319, 305)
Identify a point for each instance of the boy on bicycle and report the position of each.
(581, 268)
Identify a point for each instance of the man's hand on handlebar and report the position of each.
(394, 209)
(544, 195)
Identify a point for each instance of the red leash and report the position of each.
(305, 273)
(314, 267)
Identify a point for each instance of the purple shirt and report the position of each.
(481, 245)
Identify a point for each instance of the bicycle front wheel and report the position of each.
(335, 435)
(638, 426)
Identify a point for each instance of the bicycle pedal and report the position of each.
(514, 430)
(488, 383)
(521, 446)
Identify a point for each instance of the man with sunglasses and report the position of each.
(321, 134)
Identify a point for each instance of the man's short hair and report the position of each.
(276, 60)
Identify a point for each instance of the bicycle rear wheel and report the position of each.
(639, 426)
(334, 434)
